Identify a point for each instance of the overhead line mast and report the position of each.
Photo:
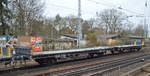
(145, 21)
(79, 28)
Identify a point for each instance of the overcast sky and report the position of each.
(90, 7)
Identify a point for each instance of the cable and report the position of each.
(114, 5)
(130, 11)
(55, 5)
(63, 7)
(84, 12)
(100, 3)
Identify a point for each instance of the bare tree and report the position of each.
(127, 29)
(139, 31)
(5, 16)
(72, 23)
(59, 23)
(111, 20)
(26, 11)
(85, 27)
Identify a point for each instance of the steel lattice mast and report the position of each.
(79, 28)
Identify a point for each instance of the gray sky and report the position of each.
(90, 7)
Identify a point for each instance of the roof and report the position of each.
(71, 36)
(6, 37)
(56, 40)
(109, 36)
(136, 37)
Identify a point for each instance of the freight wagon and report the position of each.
(54, 56)
(51, 56)
(47, 57)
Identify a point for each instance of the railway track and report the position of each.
(78, 68)
(104, 67)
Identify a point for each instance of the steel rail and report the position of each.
(104, 66)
